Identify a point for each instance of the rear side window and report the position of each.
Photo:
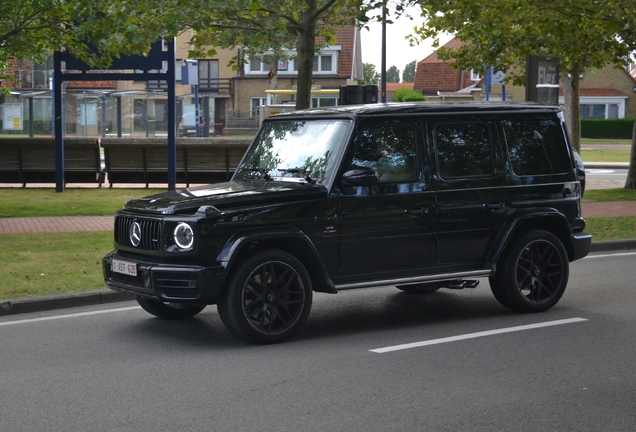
(536, 146)
(463, 150)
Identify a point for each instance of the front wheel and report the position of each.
(533, 274)
(169, 310)
(268, 298)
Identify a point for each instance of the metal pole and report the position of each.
(383, 67)
(172, 117)
(58, 122)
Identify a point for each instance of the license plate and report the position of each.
(123, 267)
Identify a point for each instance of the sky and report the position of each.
(398, 51)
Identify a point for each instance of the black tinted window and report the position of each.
(536, 146)
(463, 150)
(390, 150)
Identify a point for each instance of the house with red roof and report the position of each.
(609, 92)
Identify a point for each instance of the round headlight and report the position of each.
(184, 236)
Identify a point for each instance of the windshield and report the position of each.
(302, 150)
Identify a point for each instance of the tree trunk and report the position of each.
(273, 82)
(630, 183)
(571, 97)
(305, 45)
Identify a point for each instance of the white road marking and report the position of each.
(75, 315)
(476, 335)
(610, 255)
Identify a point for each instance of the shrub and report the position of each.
(407, 95)
(601, 128)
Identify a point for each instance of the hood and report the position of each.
(225, 195)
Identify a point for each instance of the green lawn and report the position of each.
(31, 202)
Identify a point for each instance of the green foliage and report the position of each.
(371, 76)
(407, 95)
(274, 27)
(408, 75)
(601, 128)
(393, 74)
(31, 29)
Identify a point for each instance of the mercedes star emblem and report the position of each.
(135, 234)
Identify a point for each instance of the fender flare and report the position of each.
(236, 244)
(544, 217)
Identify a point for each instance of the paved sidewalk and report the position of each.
(105, 223)
(56, 224)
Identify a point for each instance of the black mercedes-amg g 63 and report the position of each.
(420, 196)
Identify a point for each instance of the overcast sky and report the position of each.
(398, 51)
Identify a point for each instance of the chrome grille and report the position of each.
(150, 233)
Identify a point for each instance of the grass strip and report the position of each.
(611, 228)
(34, 202)
(52, 263)
(607, 195)
(605, 155)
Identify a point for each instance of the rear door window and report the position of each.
(463, 150)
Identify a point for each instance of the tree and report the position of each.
(393, 74)
(408, 75)
(31, 29)
(503, 33)
(277, 25)
(371, 76)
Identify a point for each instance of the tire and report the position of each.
(533, 273)
(268, 298)
(171, 311)
(421, 288)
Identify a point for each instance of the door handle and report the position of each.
(418, 211)
(496, 207)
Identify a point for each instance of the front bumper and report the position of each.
(166, 282)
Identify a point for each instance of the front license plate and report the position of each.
(123, 267)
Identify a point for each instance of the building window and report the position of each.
(259, 64)
(209, 75)
(474, 75)
(255, 103)
(323, 63)
(324, 102)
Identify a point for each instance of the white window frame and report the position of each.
(292, 64)
(474, 76)
(261, 101)
(621, 101)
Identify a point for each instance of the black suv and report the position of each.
(420, 196)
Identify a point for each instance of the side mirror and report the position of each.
(360, 176)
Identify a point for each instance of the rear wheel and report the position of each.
(268, 298)
(533, 273)
(169, 310)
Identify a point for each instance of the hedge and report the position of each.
(601, 128)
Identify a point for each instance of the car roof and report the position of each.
(405, 108)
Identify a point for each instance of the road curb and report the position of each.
(60, 301)
(90, 298)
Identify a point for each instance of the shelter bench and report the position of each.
(145, 160)
(32, 160)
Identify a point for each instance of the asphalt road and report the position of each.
(615, 174)
(474, 366)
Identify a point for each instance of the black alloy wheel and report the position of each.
(532, 274)
(268, 299)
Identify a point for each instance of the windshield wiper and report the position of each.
(306, 176)
(263, 172)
